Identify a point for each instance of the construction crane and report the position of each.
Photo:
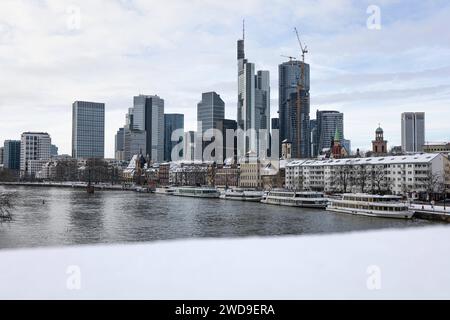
(289, 57)
(304, 49)
(301, 89)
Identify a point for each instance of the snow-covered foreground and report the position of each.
(413, 263)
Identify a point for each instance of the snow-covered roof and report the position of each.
(132, 164)
(274, 166)
(437, 144)
(296, 163)
(406, 159)
(196, 162)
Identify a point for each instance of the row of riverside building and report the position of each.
(416, 175)
(27, 155)
(409, 174)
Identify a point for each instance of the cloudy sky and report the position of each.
(53, 52)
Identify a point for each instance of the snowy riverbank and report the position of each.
(406, 264)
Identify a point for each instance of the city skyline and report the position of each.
(377, 75)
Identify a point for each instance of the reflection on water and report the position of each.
(56, 217)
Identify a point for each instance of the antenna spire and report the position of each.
(243, 29)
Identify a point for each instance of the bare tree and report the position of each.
(434, 184)
(379, 180)
(96, 171)
(66, 170)
(7, 175)
(406, 189)
(6, 206)
(362, 176)
(343, 177)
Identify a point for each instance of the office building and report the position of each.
(119, 145)
(210, 110)
(413, 131)
(250, 172)
(262, 109)
(189, 145)
(2, 152)
(298, 125)
(148, 115)
(347, 145)
(442, 147)
(290, 76)
(294, 106)
(134, 143)
(11, 155)
(88, 130)
(275, 124)
(228, 128)
(53, 150)
(275, 131)
(34, 151)
(327, 124)
(314, 138)
(253, 110)
(172, 123)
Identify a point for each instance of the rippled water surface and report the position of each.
(57, 217)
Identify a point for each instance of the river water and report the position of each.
(59, 217)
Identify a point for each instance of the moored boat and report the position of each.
(315, 200)
(197, 192)
(143, 190)
(242, 195)
(371, 206)
(165, 190)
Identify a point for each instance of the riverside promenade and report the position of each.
(428, 212)
(75, 185)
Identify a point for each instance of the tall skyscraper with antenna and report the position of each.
(253, 109)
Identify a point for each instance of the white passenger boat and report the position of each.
(143, 190)
(165, 190)
(242, 195)
(296, 199)
(372, 206)
(197, 192)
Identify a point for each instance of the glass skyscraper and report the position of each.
(88, 130)
(298, 124)
(119, 145)
(229, 150)
(413, 131)
(253, 110)
(11, 155)
(294, 107)
(148, 116)
(210, 110)
(172, 122)
(290, 74)
(327, 123)
(134, 143)
(314, 139)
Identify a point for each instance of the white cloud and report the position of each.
(179, 49)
